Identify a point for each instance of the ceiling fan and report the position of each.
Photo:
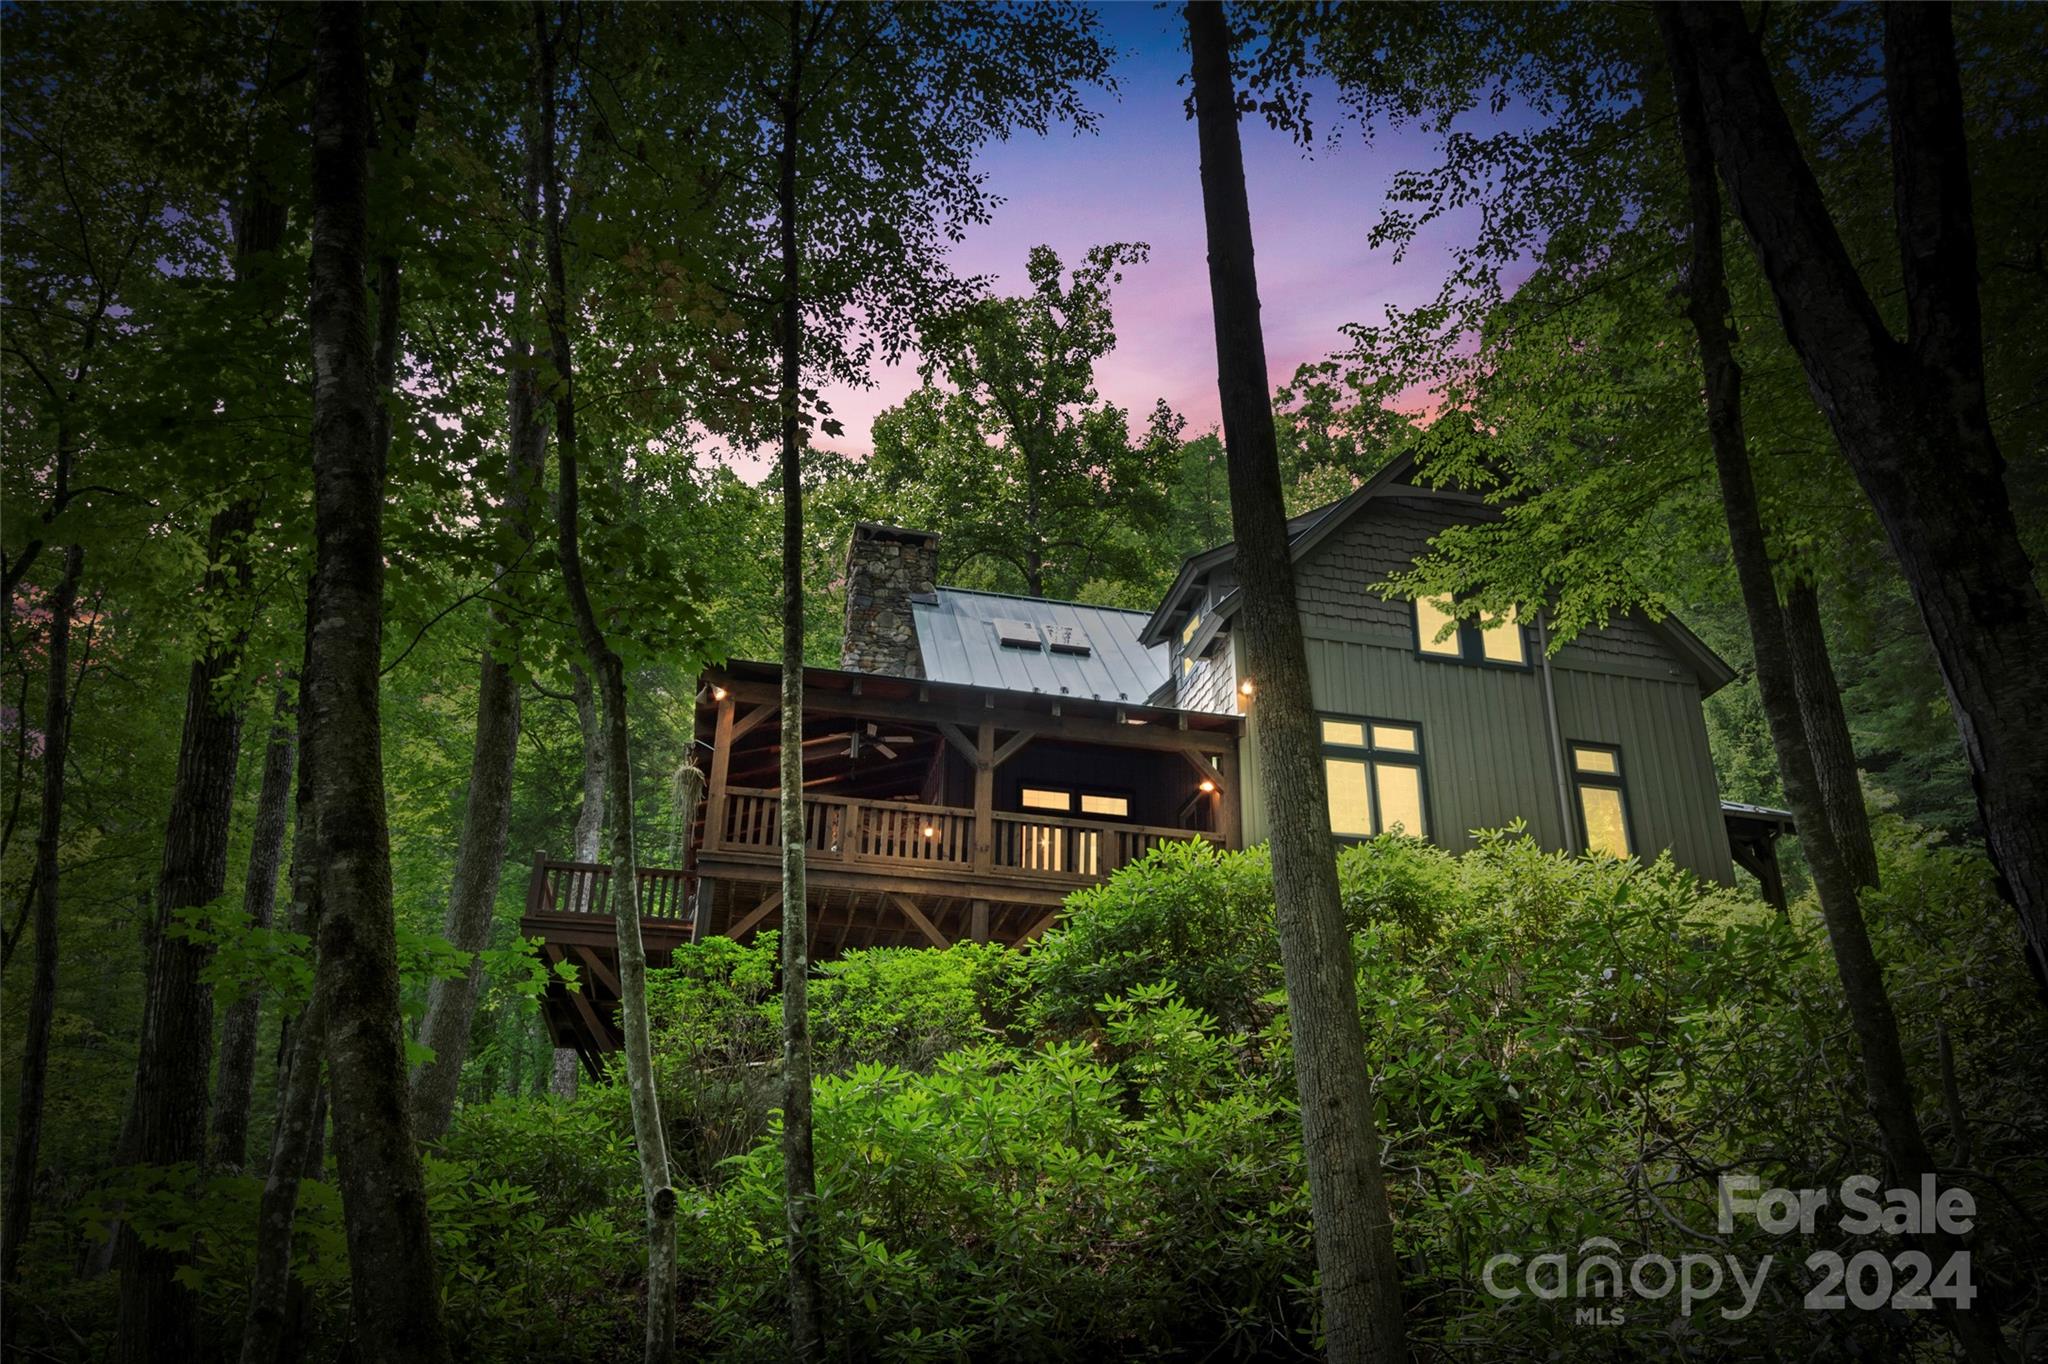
(876, 740)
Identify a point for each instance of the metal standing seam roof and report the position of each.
(957, 636)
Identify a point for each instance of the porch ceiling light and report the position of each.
(930, 831)
(719, 693)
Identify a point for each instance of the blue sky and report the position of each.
(1137, 179)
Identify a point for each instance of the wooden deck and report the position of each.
(913, 831)
(880, 873)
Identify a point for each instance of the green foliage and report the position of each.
(1019, 1159)
(1035, 478)
(906, 1006)
(1185, 914)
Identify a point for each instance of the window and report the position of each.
(1430, 619)
(1064, 802)
(1374, 770)
(1494, 638)
(1603, 805)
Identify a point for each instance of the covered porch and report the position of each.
(933, 813)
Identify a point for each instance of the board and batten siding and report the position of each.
(1487, 756)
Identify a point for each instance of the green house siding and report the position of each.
(1487, 754)
(1666, 766)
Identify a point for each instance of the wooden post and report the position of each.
(980, 921)
(984, 798)
(721, 763)
(537, 883)
(1229, 803)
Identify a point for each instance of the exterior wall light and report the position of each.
(1208, 785)
(719, 693)
(1244, 688)
(930, 831)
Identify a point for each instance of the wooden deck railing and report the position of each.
(585, 888)
(1072, 847)
(893, 833)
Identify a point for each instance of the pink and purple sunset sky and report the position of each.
(1137, 179)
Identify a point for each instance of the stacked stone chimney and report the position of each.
(886, 567)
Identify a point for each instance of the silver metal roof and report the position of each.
(958, 638)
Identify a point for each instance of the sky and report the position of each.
(1137, 178)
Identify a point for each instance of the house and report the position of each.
(976, 757)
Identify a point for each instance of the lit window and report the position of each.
(1039, 798)
(1374, 772)
(1430, 619)
(1599, 760)
(1118, 807)
(1350, 806)
(1194, 624)
(1400, 738)
(1495, 637)
(1500, 639)
(1603, 809)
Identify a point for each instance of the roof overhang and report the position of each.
(1708, 667)
(823, 685)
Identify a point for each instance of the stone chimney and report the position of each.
(886, 568)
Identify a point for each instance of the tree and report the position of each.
(391, 1260)
(1887, 1083)
(1353, 1226)
(487, 808)
(167, 1123)
(35, 1067)
(1910, 416)
(236, 1075)
(871, 116)
(1033, 475)
(609, 670)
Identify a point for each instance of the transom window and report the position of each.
(1374, 771)
(1060, 801)
(1495, 637)
(1603, 804)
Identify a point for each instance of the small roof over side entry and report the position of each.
(1071, 649)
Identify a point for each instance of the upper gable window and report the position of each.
(1495, 637)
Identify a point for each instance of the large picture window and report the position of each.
(1603, 804)
(1374, 771)
(1495, 638)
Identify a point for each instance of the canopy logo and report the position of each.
(1906, 1281)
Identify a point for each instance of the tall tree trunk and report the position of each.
(42, 1002)
(487, 810)
(167, 1119)
(1888, 1087)
(396, 1298)
(648, 1133)
(1910, 417)
(175, 1068)
(235, 1081)
(294, 1142)
(590, 814)
(1827, 732)
(799, 1172)
(1353, 1227)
